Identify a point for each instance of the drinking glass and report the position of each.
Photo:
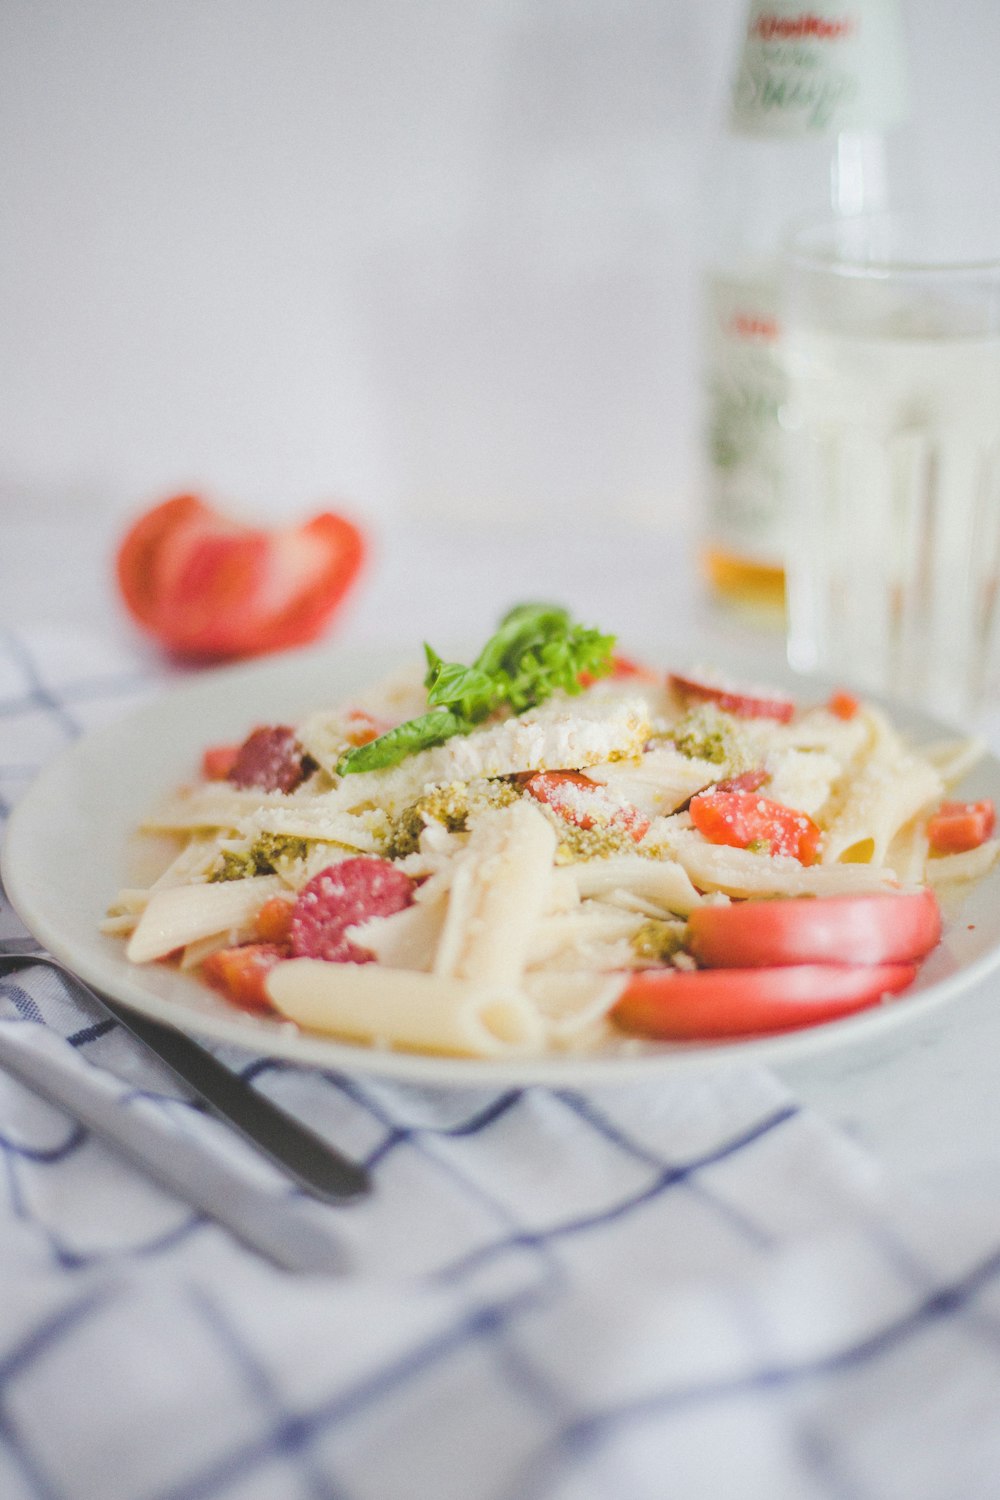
(891, 441)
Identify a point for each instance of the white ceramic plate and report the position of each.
(65, 857)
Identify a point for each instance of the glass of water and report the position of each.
(891, 441)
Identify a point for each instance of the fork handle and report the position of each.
(290, 1232)
(309, 1160)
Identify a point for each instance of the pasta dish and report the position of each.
(555, 848)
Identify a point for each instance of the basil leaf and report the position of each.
(557, 665)
(522, 629)
(536, 651)
(405, 739)
(467, 689)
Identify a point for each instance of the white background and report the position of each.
(419, 258)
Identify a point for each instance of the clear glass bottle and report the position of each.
(817, 90)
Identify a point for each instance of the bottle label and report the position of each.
(819, 68)
(745, 387)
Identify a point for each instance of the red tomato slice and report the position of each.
(218, 760)
(734, 700)
(739, 819)
(239, 973)
(274, 921)
(959, 826)
(876, 928)
(140, 548)
(674, 1005)
(209, 587)
(625, 666)
(363, 728)
(584, 803)
(621, 667)
(843, 705)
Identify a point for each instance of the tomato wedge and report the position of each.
(627, 666)
(741, 818)
(874, 928)
(208, 587)
(621, 668)
(843, 705)
(217, 761)
(274, 922)
(957, 827)
(239, 973)
(363, 728)
(735, 700)
(584, 803)
(676, 1005)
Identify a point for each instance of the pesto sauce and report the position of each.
(260, 858)
(702, 734)
(590, 843)
(658, 940)
(450, 805)
(708, 733)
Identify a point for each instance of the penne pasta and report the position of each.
(887, 793)
(316, 822)
(973, 864)
(741, 873)
(424, 1012)
(665, 883)
(181, 914)
(409, 939)
(212, 806)
(500, 890)
(954, 759)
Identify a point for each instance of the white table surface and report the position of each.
(923, 1096)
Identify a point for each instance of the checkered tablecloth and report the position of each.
(694, 1288)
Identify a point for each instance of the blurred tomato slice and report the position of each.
(873, 927)
(843, 705)
(217, 761)
(209, 587)
(744, 703)
(957, 827)
(677, 1005)
(240, 973)
(622, 667)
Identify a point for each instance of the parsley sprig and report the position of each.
(538, 650)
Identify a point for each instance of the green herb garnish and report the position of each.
(260, 858)
(658, 941)
(449, 805)
(537, 651)
(703, 734)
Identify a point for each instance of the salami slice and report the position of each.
(340, 896)
(271, 759)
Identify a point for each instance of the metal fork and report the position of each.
(310, 1161)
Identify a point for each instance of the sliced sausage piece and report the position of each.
(342, 896)
(270, 759)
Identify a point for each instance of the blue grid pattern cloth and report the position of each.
(692, 1289)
